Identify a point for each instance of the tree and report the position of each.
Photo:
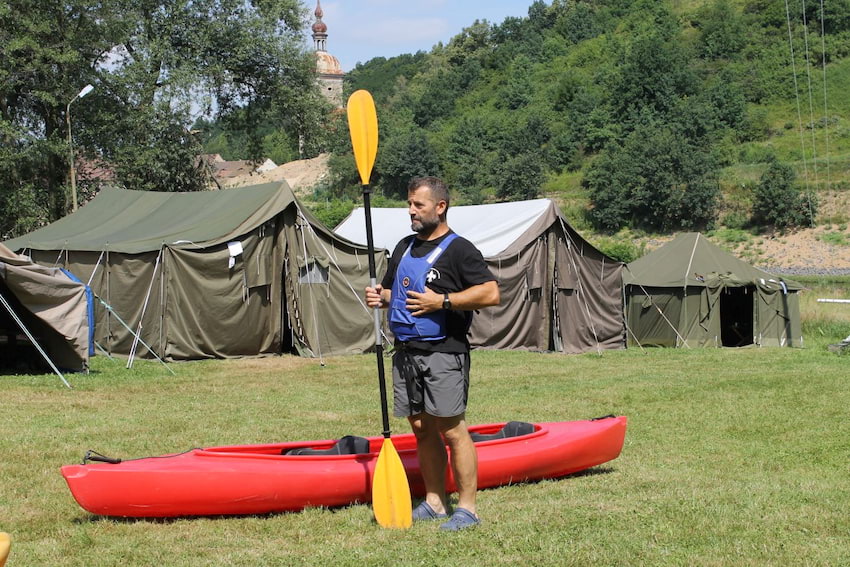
(519, 88)
(405, 155)
(519, 177)
(470, 154)
(779, 202)
(580, 20)
(723, 30)
(154, 64)
(656, 179)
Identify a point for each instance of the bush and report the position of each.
(735, 220)
(623, 250)
(779, 202)
(333, 211)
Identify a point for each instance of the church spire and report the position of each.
(320, 30)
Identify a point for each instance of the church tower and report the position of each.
(328, 71)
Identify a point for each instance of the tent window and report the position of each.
(313, 273)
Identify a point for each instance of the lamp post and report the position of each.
(86, 90)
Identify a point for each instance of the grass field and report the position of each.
(733, 457)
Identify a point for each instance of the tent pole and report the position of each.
(96, 266)
(32, 339)
(108, 275)
(109, 356)
(112, 311)
(138, 334)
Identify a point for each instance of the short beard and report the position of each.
(424, 226)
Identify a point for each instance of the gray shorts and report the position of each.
(436, 383)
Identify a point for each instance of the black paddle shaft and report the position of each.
(373, 277)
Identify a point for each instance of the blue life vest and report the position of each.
(410, 276)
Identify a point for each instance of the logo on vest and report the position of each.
(433, 274)
(405, 281)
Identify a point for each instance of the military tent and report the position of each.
(691, 293)
(559, 293)
(43, 309)
(214, 274)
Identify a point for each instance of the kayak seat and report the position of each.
(511, 429)
(348, 445)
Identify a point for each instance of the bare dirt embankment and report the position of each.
(301, 175)
(820, 250)
(824, 249)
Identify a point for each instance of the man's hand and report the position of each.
(422, 303)
(375, 296)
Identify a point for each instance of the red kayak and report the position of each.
(259, 479)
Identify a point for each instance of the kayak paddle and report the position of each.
(5, 545)
(390, 489)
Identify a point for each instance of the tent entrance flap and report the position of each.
(736, 316)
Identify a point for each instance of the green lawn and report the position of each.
(733, 457)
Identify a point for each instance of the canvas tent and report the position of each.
(43, 309)
(559, 293)
(691, 293)
(239, 272)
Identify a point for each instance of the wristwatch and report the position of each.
(447, 304)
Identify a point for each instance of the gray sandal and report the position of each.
(425, 512)
(460, 520)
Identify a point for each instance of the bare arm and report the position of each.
(471, 298)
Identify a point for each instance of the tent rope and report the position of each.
(114, 313)
(825, 107)
(32, 339)
(297, 330)
(660, 312)
(144, 309)
(300, 227)
(581, 286)
(809, 81)
(799, 112)
(354, 292)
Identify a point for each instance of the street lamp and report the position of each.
(86, 90)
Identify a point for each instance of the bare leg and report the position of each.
(432, 459)
(464, 459)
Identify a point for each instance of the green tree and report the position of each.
(723, 30)
(652, 75)
(779, 202)
(405, 155)
(519, 88)
(581, 20)
(656, 179)
(519, 177)
(471, 155)
(154, 64)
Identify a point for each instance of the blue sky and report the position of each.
(359, 30)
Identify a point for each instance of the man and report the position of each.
(435, 280)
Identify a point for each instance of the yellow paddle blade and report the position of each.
(5, 545)
(363, 126)
(390, 490)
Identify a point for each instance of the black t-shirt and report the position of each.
(459, 267)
